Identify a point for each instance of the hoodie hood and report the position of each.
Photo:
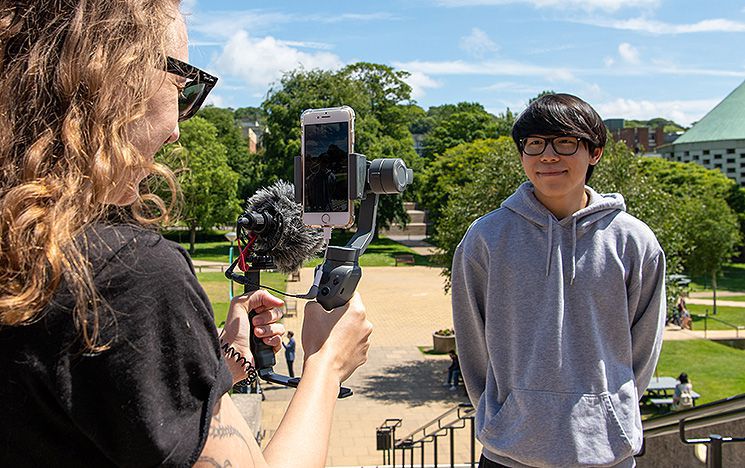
(524, 203)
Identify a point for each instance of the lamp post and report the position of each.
(231, 236)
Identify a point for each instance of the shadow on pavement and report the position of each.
(415, 383)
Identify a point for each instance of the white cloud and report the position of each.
(660, 27)
(214, 100)
(628, 53)
(681, 111)
(188, 6)
(512, 87)
(486, 68)
(419, 83)
(609, 61)
(478, 43)
(261, 61)
(228, 23)
(589, 5)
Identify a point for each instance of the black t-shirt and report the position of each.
(145, 401)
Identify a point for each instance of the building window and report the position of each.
(730, 160)
(696, 157)
(707, 161)
(717, 156)
(718, 166)
(706, 152)
(730, 151)
(685, 153)
(730, 170)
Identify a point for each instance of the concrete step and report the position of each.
(409, 206)
(413, 229)
(417, 216)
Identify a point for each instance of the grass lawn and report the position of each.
(218, 289)
(732, 279)
(381, 252)
(733, 315)
(709, 365)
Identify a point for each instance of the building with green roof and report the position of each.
(717, 141)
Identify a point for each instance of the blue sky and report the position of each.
(633, 59)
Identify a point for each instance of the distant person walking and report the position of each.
(453, 371)
(290, 353)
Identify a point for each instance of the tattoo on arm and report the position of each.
(212, 462)
(220, 431)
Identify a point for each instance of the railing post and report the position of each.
(473, 442)
(714, 453)
(452, 447)
(435, 444)
(422, 454)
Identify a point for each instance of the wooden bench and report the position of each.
(294, 276)
(407, 259)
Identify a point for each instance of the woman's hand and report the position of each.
(237, 329)
(339, 339)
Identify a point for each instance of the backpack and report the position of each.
(686, 399)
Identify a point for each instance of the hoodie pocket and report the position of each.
(541, 428)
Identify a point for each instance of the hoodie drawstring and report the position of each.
(574, 249)
(549, 246)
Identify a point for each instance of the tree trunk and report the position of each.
(192, 238)
(714, 288)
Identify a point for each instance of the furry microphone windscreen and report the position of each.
(292, 242)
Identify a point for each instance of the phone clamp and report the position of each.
(337, 278)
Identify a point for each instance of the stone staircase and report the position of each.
(415, 229)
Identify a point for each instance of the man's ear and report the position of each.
(596, 155)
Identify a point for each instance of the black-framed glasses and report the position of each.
(563, 145)
(198, 85)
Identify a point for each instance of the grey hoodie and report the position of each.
(558, 326)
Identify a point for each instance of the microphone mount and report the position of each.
(336, 279)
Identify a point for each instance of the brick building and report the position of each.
(640, 139)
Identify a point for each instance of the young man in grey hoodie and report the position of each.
(558, 304)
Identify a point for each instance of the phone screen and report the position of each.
(326, 160)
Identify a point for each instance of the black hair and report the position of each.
(561, 114)
(683, 377)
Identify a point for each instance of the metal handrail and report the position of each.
(699, 416)
(708, 317)
(438, 420)
(430, 433)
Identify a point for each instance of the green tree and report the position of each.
(540, 95)
(207, 182)
(379, 97)
(248, 166)
(454, 169)
(484, 174)
(454, 124)
(714, 239)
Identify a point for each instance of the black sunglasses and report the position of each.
(198, 85)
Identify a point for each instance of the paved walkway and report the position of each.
(406, 304)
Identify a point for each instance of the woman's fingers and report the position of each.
(257, 300)
(267, 316)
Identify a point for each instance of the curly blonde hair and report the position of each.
(75, 75)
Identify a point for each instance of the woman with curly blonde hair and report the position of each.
(108, 350)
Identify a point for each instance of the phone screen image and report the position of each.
(326, 161)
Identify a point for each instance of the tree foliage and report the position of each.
(380, 98)
(243, 163)
(684, 204)
(207, 182)
(477, 177)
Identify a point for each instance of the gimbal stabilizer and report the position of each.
(336, 279)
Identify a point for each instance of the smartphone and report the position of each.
(327, 141)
